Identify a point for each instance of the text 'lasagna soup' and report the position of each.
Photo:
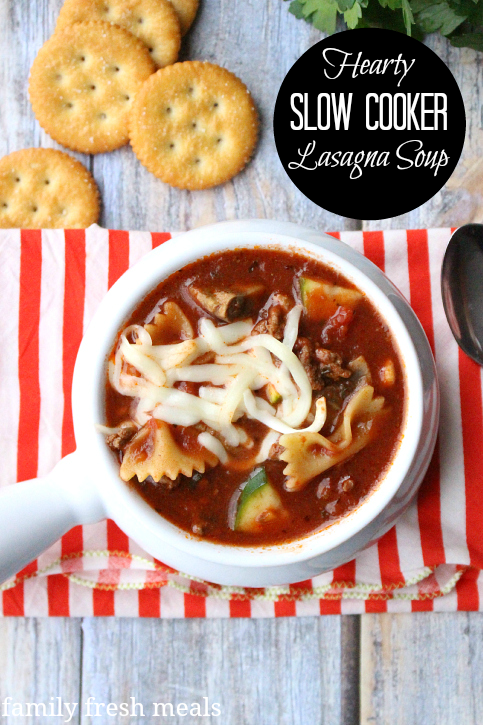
(254, 397)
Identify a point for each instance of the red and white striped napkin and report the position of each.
(50, 285)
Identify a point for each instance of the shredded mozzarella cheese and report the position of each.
(292, 326)
(276, 424)
(271, 438)
(142, 362)
(304, 401)
(213, 444)
(243, 364)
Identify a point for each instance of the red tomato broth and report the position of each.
(205, 503)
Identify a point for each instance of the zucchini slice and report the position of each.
(321, 299)
(258, 504)
(273, 395)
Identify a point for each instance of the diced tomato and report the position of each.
(336, 327)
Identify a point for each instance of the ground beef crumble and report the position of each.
(275, 451)
(274, 317)
(319, 363)
(118, 441)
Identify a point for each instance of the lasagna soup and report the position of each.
(254, 397)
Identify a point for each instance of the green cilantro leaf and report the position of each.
(475, 14)
(297, 9)
(439, 17)
(345, 5)
(321, 13)
(418, 5)
(391, 4)
(468, 40)
(353, 15)
(325, 18)
(407, 16)
(460, 20)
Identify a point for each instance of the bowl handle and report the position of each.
(34, 514)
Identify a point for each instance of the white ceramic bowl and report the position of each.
(86, 487)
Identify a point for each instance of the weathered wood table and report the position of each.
(379, 669)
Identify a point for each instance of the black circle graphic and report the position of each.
(369, 124)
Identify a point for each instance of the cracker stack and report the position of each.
(155, 22)
(108, 76)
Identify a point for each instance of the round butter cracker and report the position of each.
(83, 82)
(186, 10)
(193, 125)
(46, 189)
(155, 22)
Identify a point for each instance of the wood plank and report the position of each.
(286, 671)
(350, 659)
(40, 659)
(419, 668)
